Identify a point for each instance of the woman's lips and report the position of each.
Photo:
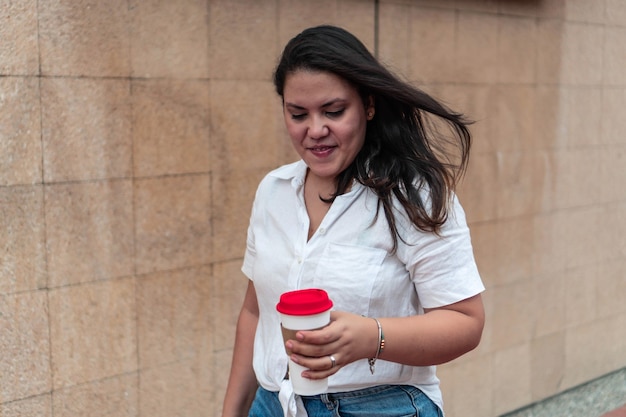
(322, 151)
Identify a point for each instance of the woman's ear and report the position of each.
(370, 109)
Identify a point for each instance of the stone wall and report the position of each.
(133, 134)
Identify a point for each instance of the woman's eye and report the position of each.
(300, 116)
(336, 113)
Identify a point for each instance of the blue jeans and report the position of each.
(379, 401)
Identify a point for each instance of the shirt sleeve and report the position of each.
(250, 254)
(442, 267)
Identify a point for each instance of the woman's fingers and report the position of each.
(345, 340)
(318, 368)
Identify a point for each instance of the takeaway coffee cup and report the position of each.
(306, 309)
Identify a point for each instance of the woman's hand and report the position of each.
(438, 336)
(347, 338)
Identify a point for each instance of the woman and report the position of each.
(368, 214)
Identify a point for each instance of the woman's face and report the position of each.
(326, 120)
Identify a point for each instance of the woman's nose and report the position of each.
(318, 128)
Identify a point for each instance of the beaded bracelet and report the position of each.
(381, 346)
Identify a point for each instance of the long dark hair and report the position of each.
(413, 143)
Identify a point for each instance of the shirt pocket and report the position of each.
(347, 273)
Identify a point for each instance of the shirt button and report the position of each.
(299, 260)
(322, 231)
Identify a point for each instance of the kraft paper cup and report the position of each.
(307, 309)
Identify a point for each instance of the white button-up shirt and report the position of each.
(350, 256)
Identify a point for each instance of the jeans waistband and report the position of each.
(360, 392)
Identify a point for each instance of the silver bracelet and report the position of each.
(379, 349)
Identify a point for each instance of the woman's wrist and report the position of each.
(380, 346)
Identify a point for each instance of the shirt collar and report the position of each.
(296, 172)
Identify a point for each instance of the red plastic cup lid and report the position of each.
(304, 302)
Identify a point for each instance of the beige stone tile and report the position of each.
(570, 179)
(613, 123)
(548, 118)
(38, 406)
(476, 193)
(294, 16)
(479, 104)
(614, 57)
(431, 45)
(553, 9)
(619, 224)
(20, 131)
(173, 222)
(581, 113)
(177, 389)
(584, 359)
(476, 53)
(19, 53)
(610, 288)
(174, 315)
(358, 17)
(393, 45)
(560, 188)
(615, 12)
(89, 38)
(89, 231)
(554, 180)
(582, 59)
(464, 398)
(579, 225)
(541, 181)
(549, 303)
(514, 114)
(92, 331)
(86, 129)
(613, 160)
(519, 175)
(528, 8)
(116, 396)
(580, 295)
(550, 34)
(585, 11)
(169, 38)
(547, 361)
(229, 288)
(551, 244)
(512, 378)
(231, 213)
(22, 241)
(243, 39)
(447, 4)
(611, 221)
(221, 369)
(170, 127)
(517, 40)
(486, 6)
(513, 323)
(25, 346)
(513, 250)
(245, 119)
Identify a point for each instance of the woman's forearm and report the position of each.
(436, 337)
(242, 382)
